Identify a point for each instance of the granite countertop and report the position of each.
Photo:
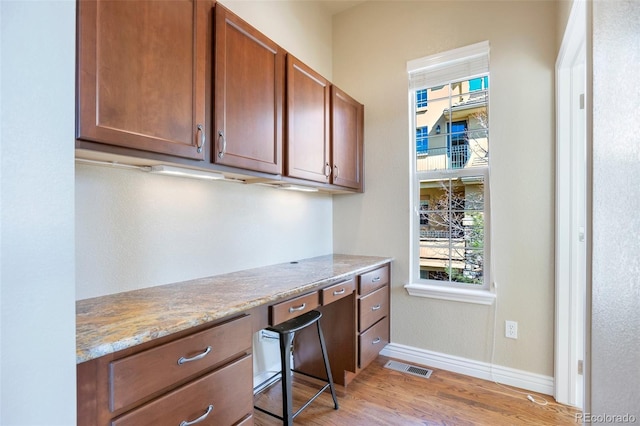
(111, 323)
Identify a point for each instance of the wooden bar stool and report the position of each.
(286, 331)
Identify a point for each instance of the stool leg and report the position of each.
(327, 368)
(285, 363)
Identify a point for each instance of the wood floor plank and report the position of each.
(383, 397)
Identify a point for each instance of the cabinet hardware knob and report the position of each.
(183, 360)
(223, 146)
(375, 308)
(299, 308)
(339, 292)
(200, 131)
(327, 170)
(375, 280)
(199, 419)
(376, 340)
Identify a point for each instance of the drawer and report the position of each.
(291, 308)
(373, 307)
(373, 341)
(140, 375)
(225, 394)
(338, 291)
(370, 281)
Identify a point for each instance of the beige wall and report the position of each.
(564, 10)
(136, 230)
(372, 44)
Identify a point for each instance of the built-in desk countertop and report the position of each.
(107, 324)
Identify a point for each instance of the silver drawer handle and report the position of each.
(183, 360)
(199, 419)
(377, 340)
(339, 292)
(375, 280)
(223, 146)
(299, 308)
(375, 308)
(200, 145)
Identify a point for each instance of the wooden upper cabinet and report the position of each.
(249, 96)
(347, 131)
(141, 76)
(308, 118)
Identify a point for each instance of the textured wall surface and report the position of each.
(137, 230)
(615, 345)
(37, 338)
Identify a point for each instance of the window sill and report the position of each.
(481, 297)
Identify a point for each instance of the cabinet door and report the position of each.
(347, 128)
(308, 103)
(249, 96)
(141, 79)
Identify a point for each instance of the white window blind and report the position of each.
(441, 68)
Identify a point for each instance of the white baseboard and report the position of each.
(482, 370)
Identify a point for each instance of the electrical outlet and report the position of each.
(511, 329)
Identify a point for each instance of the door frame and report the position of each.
(570, 224)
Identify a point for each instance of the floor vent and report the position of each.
(407, 368)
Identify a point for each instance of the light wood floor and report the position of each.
(379, 396)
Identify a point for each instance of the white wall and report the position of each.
(37, 345)
(372, 44)
(615, 313)
(135, 230)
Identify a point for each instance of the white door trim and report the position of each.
(570, 209)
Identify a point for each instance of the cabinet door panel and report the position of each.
(308, 103)
(141, 74)
(249, 96)
(347, 128)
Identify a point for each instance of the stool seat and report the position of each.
(286, 332)
(297, 323)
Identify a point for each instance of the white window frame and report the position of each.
(464, 63)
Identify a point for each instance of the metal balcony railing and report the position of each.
(457, 155)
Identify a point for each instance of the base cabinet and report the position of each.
(205, 376)
(356, 327)
(373, 314)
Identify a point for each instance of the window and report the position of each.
(421, 98)
(422, 139)
(450, 174)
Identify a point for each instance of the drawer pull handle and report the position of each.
(375, 279)
(376, 341)
(375, 308)
(184, 360)
(299, 308)
(339, 292)
(199, 419)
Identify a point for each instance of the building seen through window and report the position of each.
(452, 158)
